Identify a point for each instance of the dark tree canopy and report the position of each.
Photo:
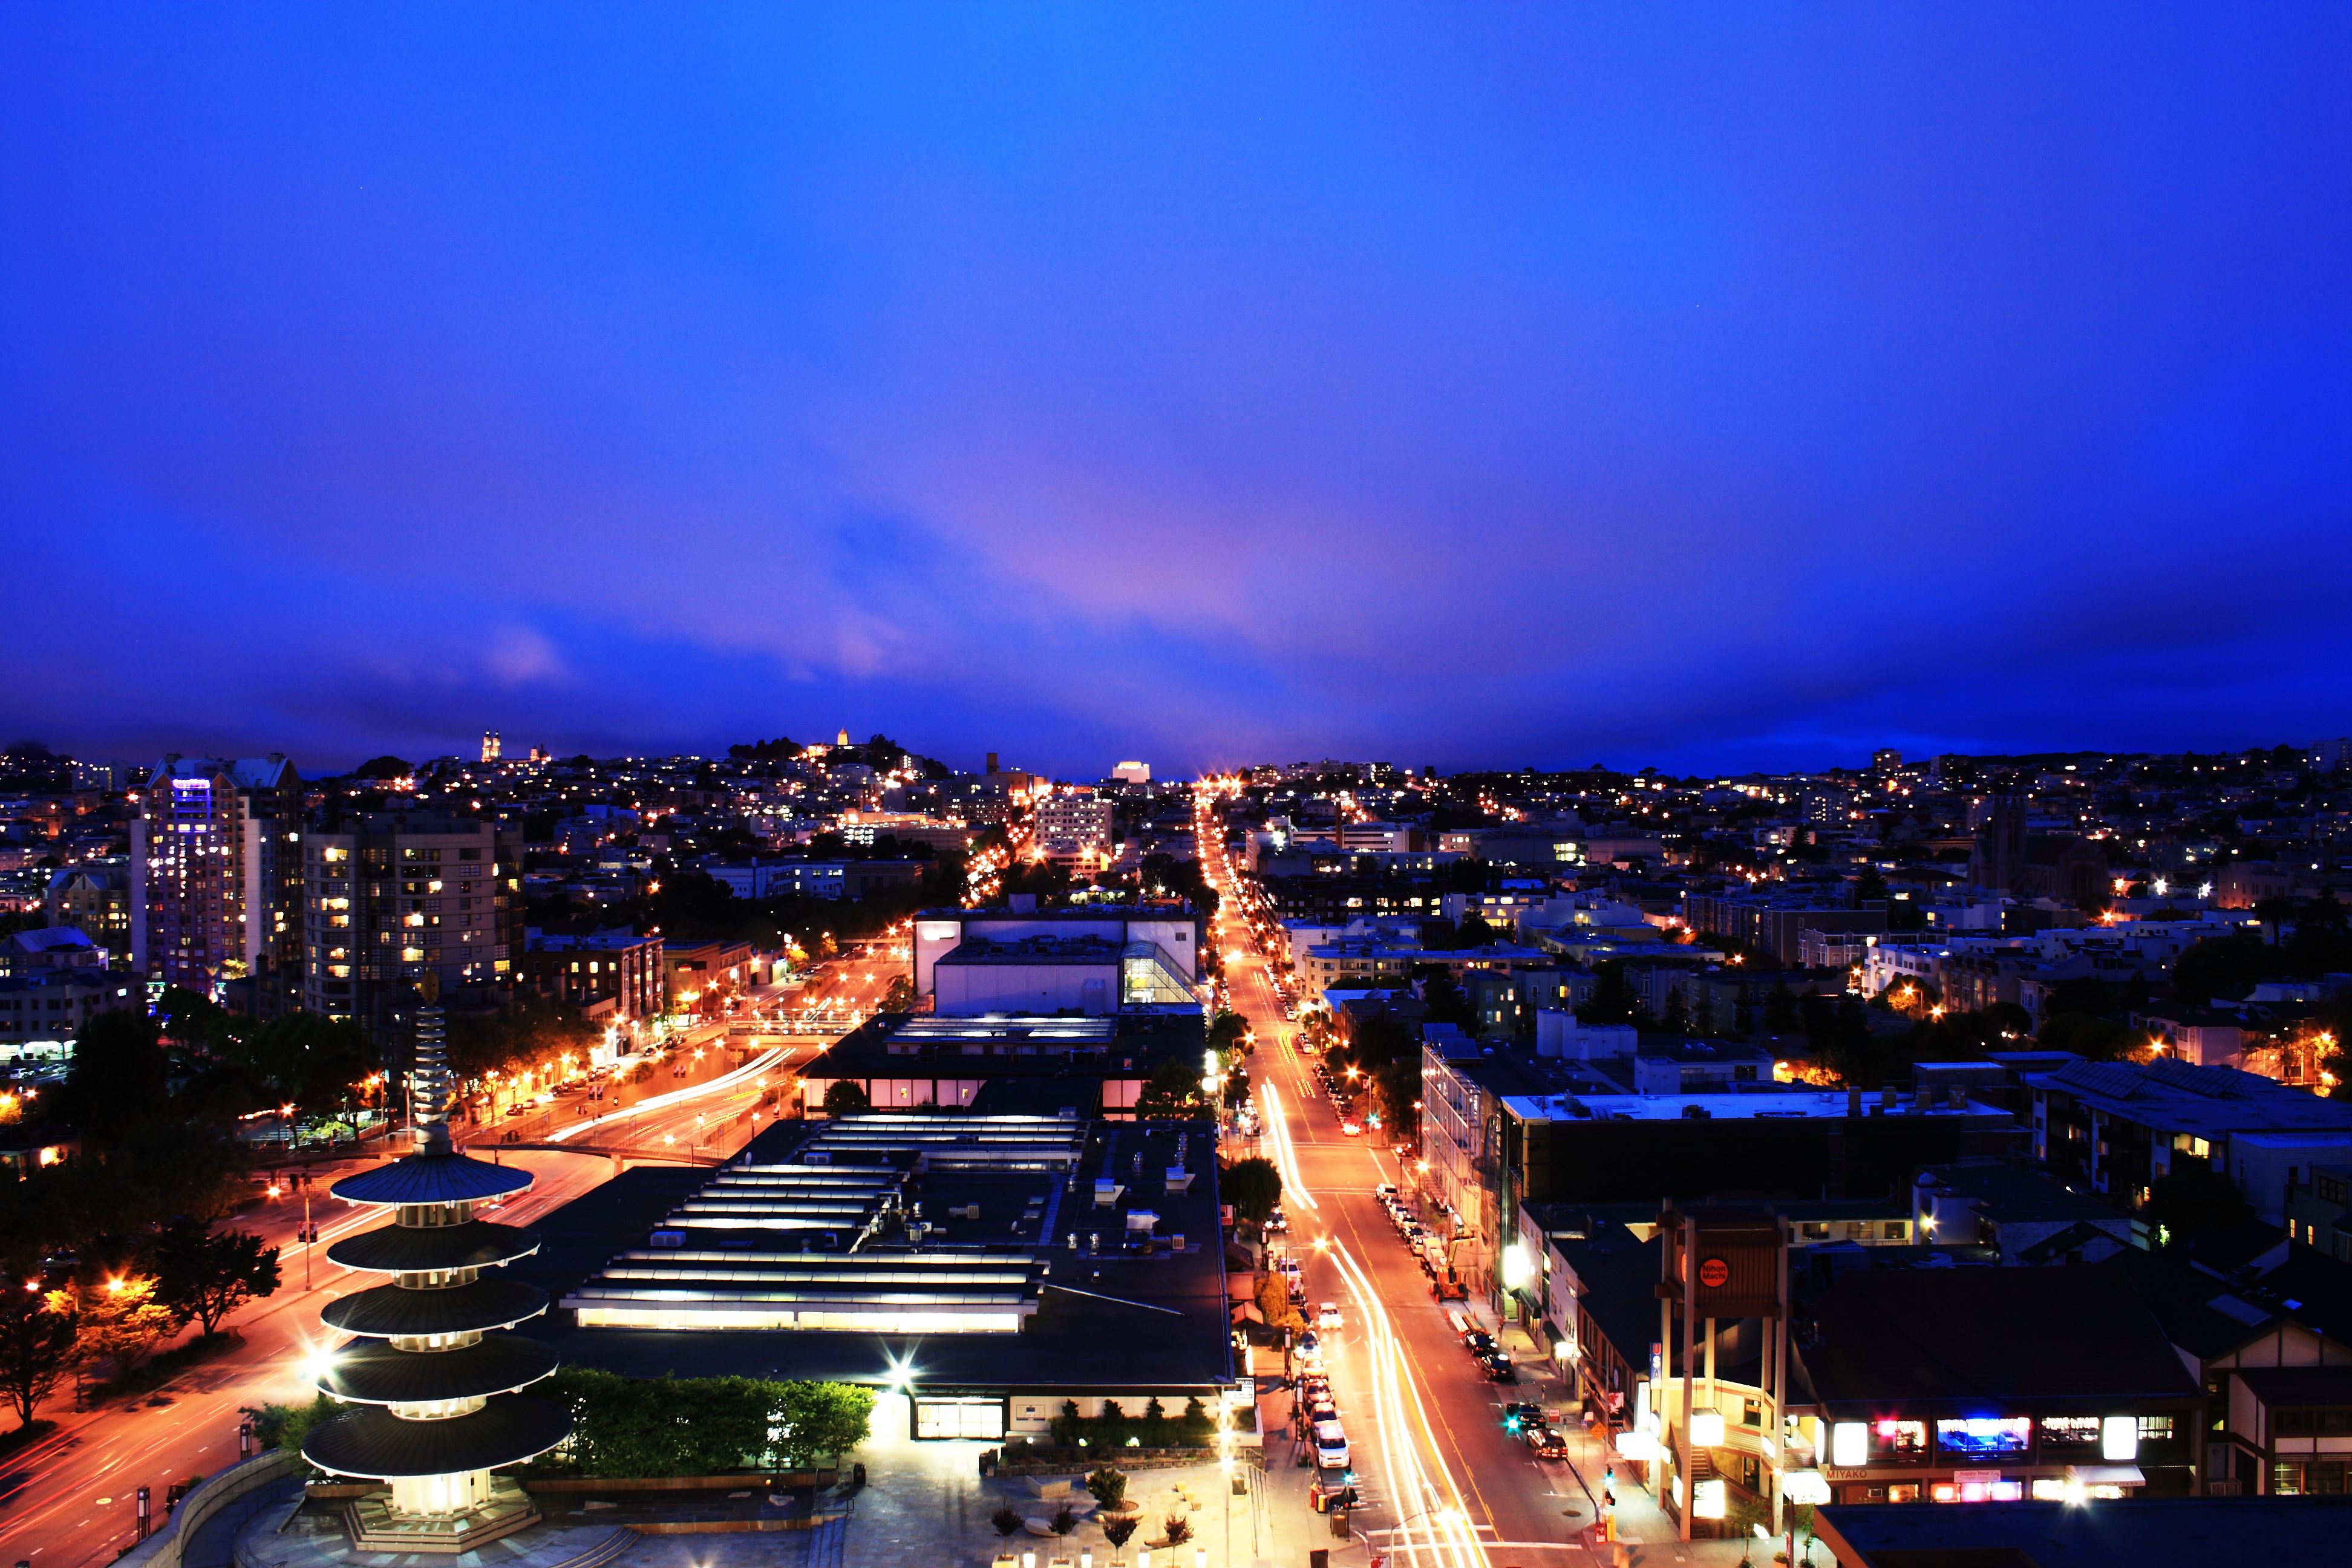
(1254, 1187)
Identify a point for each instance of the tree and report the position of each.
(202, 1277)
(120, 1322)
(2277, 912)
(1107, 1484)
(2087, 1036)
(1174, 1090)
(2195, 1196)
(1780, 1010)
(2082, 993)
(847, 1097)
(808, 1419)
(37, 1347)
(311, 1060)
(1435, 984)
(1226, 1031)
(900, 997)
(1396, 1085)
(1254, 1187)
(118, 1076)
(1677, 1018)
(385, 767)
(1120, 1528)
(1273, 1302)
(2220, 966)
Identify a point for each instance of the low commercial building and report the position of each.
(1158, 949)
(1993, 1384)
(43, 1013)
(980, 1270)
(1096, 1066)
(2164, 1531)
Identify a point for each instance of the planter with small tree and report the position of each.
(1109, 1489)
(1119, 1529)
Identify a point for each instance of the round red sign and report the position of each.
(1714, 1273)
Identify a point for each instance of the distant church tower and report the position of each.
(491, 749)
(843, 739)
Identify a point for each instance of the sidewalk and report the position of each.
(1645, 1533)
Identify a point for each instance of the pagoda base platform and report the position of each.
(373, 1526)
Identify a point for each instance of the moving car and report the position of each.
(1519, 1416)
(1327, 1316)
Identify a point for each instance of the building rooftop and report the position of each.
(2002, 1191)
(2154, 1532)
(1988, 1336)
(1763, 1104)
(1035, 950)
(2209, 1101)
(838, 1249)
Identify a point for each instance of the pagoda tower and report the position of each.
(433, 1368)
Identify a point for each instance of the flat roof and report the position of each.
(1791, 1104)
(2146, 1532)
(996, 1301)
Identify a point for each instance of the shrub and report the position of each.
(1179, 1530)
(1117, 1528)
(1109, 1487)
(1005, 1521)
(1064, 1521)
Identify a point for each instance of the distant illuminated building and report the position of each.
(492, 748)
(404, 904)
(216, 876)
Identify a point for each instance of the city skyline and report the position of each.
(1716, 391)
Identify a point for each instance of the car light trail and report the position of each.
(1436, 1526)
(1285, 1158)
(750, 1069)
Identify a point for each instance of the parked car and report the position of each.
(1544, 1442)
(1331, 1446)
(1497, 1366)
(1309, 1351)
(1477, 1342)
(1518, 1417)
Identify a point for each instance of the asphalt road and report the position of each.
(67, 1502)
(1440, 1473)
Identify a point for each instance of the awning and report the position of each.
(2107, 1475)
(1804, 1487)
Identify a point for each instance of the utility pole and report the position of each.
(309, 1236)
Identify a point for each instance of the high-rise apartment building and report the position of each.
(1075, 830)
(405, 908)
(216, 876)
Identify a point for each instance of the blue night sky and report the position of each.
(1720, 387)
